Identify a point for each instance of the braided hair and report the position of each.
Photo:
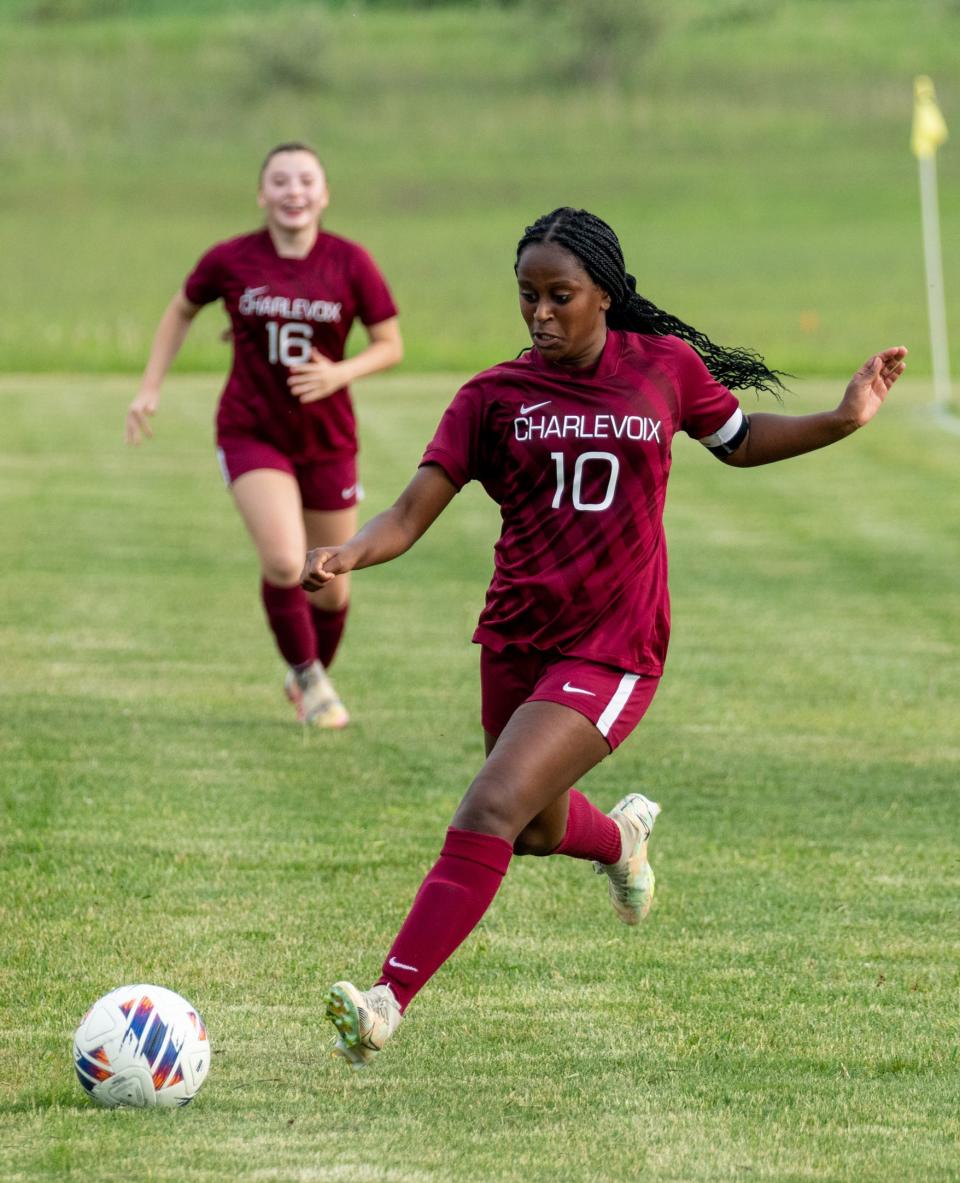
(598, 248)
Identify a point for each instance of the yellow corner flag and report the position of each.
(929, 129)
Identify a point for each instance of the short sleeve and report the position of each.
(457, 445)
(204, 284)
(709, 412)
(374, 298)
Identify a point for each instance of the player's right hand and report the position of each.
(323, 564)
(143, 406)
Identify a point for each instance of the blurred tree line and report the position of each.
(608, 37)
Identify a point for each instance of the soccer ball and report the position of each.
(140, 1046)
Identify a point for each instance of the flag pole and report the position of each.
(929, 132)
(933, 261)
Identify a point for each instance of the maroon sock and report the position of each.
(455, 894)
(329, 629)
(590, 834)
(288, 614)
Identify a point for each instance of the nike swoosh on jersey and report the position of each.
(399, 965)
(568, 689)
(348, 491)
(533, 407)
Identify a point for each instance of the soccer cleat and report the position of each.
(356, 1057)
(364, 1020)
(312, 693)
(631, 881)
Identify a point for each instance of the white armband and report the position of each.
(730, 436)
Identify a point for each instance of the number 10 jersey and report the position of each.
(578, 462)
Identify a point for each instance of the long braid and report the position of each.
(598, 248)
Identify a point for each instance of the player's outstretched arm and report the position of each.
(170, 335)
(777, 437)
(388, 534)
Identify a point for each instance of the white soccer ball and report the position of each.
(141, 1046)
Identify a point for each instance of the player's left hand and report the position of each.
(868, 387)
(318, 378)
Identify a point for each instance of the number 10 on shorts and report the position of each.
(578, 469)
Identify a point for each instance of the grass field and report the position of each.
(752, 154)
(789, 1010)
(787, 1013)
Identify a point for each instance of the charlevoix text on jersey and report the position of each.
(259, 302)
(587, 427)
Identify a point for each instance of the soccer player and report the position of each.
(573, 441)
(286, 433)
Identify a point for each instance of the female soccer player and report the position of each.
(286, 434)
(573, 441)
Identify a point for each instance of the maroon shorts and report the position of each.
(330, 483)
(613, 700)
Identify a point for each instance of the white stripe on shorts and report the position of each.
(224, 471)
(616, 704)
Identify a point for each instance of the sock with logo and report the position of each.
(454, 896)
(329, 629)
(288, 614)
(590, 834)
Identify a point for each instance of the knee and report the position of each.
(488, 811)
(332, 598)
(282, 570)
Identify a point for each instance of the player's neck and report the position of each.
(293, 244)
(586, 359)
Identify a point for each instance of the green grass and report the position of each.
(788, 1012)
(752, 154)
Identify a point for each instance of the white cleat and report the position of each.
(364, 1020)
(356, 1057)
(313, 694)
(631, 881)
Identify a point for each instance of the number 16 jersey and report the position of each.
(281, 309)
(578, 462)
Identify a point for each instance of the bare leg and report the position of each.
(269, 503)
(538, 837)
(523, 785)
(330, 527)
(329, 605)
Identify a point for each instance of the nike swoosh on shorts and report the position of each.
(568, 689)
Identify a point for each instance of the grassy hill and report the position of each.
(753, 156)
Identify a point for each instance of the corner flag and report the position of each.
(929, 127)
(929, 132)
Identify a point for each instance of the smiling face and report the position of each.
(565, 311)
(293, 192)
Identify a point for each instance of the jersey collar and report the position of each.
(605, 365)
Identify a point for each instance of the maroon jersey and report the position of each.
(578, 463)
(279, 310)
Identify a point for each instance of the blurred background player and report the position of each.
(286, 432)
(573, 441)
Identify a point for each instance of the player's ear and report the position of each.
(606, 301)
